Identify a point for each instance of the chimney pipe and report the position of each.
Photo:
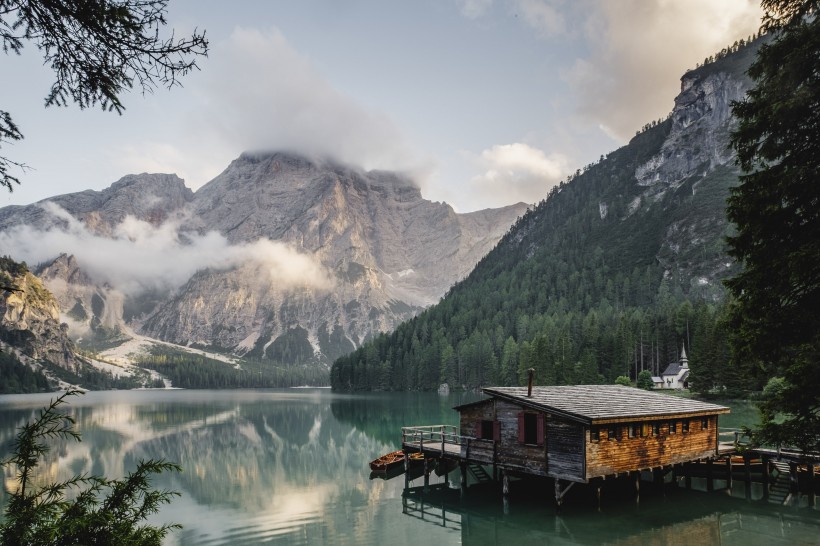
(530, 373)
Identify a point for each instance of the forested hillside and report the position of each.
(616, 270)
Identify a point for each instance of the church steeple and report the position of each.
(684, 362)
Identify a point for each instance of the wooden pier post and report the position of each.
(463, 467)
(657, 477)
(598, 494)
(747, 475)
(812, 485)
(729, 474)
(766, 476)
(687, 475)
(794, 488)
(637, 477)
(710, 481)
(426, 475)
(505, 483)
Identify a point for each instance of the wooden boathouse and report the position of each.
(573, 434)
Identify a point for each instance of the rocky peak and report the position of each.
(386, 251)
(153, 198)
(700, 125)
(29, 317)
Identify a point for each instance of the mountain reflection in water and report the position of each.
(290, 466)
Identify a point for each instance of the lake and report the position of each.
(291, 467)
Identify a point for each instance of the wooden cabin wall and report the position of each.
(565, 450)
(506, 451)
(469, 425)
(512, 454)
(611, 456)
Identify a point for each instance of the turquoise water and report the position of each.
(290, 467)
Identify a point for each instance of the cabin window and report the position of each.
(612, 433)
(644, 430)
(489, 430)
(704, 423)
(531, 428)
(673, 427)
(684, 426)
(486, 429)
(656, 429)
(595, 434)
(633, 430)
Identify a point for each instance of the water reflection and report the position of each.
(291, 467)
(678, 517)
(257, 465)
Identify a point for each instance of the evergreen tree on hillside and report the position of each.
(776, 320)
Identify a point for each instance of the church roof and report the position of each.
(673, 369)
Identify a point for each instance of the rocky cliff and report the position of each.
(304, 258)
(30, 317)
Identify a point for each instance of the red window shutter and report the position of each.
(496, 430)
(520, 427)
(540, 431)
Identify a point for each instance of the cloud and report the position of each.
(517, 171)
(473, 9)
(139, 256)
(264, 95)
(541, 15)
(640, 48)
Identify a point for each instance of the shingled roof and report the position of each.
(591, 404)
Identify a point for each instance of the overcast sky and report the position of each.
(485, 102)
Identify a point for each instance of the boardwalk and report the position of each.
(789, 471)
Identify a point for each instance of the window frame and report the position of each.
(613, 433)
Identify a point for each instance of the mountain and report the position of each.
(617, 269)
(280, 258)
(30, 318)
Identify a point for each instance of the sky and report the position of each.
(484, 103)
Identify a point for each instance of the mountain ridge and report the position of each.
(620, 266)
(320, 254)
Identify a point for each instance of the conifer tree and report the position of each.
(82, 509)
(776, 208)
(97, 49)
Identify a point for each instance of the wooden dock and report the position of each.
(783, 473)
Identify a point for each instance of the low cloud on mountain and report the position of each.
(139, 256)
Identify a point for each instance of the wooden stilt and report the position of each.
(794, 490)
(426, 474)
(729, 474)
(598, 495)
(558, 497)
(505, 480)
(812, 486)
(406, 470)
(710, 482)
(687, 473)
(766, 476)
(657, 476)
(559, 492)
(747, 476)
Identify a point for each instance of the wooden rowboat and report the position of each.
(393, 460)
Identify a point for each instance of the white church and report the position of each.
(676, 375)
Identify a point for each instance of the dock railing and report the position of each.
(432, 436)
(733, 437)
